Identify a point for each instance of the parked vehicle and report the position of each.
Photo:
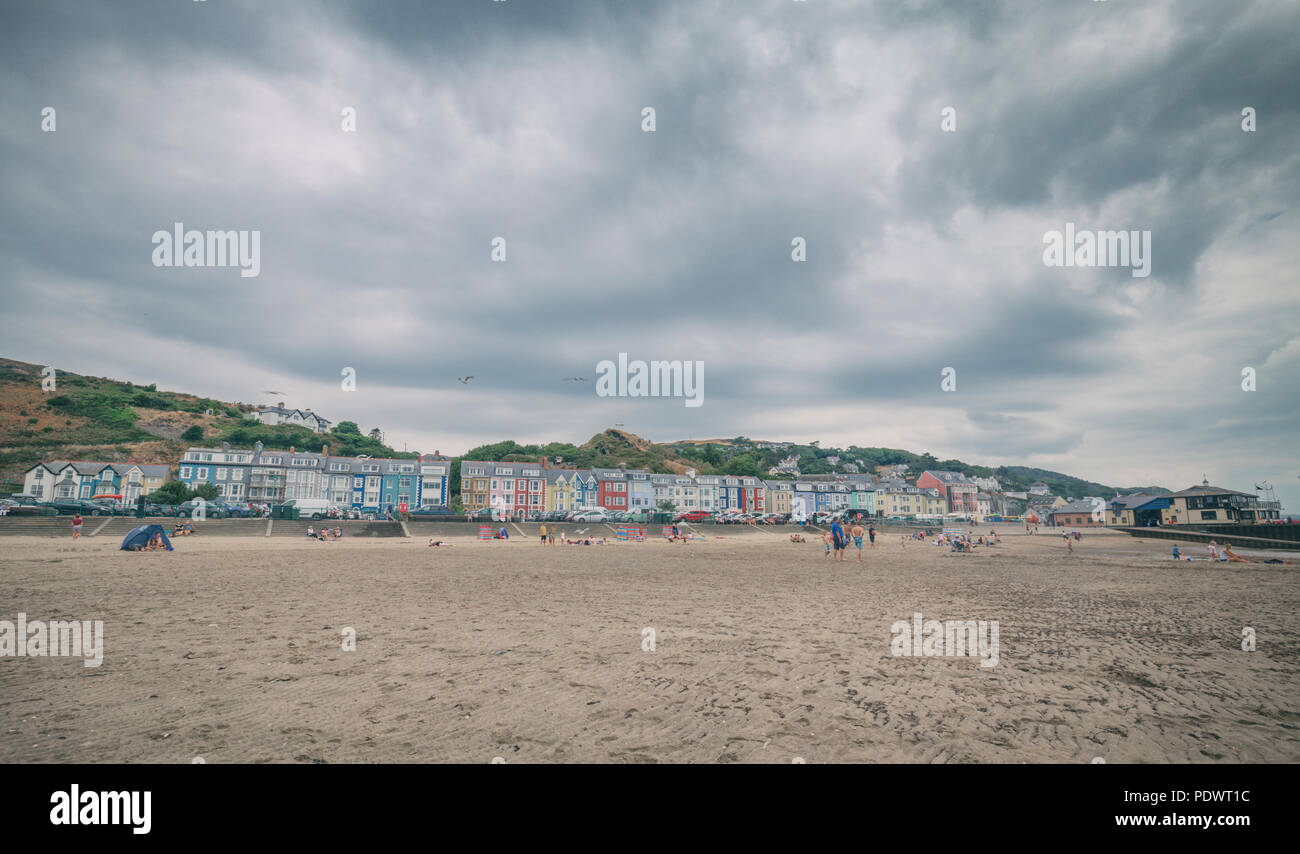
(105, 507)
(232, 511)
(14, 508)
(73, 507)
(28, 500)
(426, 512)
(211, 509)
(310, 508)
(691, 516)
(592, 516)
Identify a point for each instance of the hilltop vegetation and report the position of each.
(85, 417)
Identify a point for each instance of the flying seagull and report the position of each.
(273, 392)
(575, 379)
(465, 380)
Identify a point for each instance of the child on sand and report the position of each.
(76, 526)
(826, 541)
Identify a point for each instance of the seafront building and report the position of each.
(81, 479)
(265, 476)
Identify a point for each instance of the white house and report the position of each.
(299, 417)
(82, 479)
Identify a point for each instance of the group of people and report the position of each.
(183, 529)
(155, 544)
(837, 540)
(324, 534)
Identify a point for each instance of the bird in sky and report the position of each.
(274, 392)
(465, 380)
(575, 379)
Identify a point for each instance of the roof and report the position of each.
(947, 476)
(85, 467)
(1076, 507)
(1205, 489)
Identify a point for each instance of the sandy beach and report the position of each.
(231, 650)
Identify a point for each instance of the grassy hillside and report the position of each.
(95, 418)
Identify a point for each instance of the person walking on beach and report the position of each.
(826, 541)
(857, 533)
(76, 526)
(871, 532)
(837, 534)
(543, 535)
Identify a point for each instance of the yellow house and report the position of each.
(561, 490)
(474, 492)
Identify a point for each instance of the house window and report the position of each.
(186, 472)
(203, 473)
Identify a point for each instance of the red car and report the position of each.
(692, 516)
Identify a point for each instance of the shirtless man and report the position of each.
(857, 533)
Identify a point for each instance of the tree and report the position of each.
(667, 506)
(171, 492)
(206, 491)
(376, 434)
(193, 434)
(349, 427)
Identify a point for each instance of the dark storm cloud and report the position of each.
(774, 120)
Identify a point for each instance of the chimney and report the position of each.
(324, 450)
(622, 466)
(225, 446)
(257, 449)
(291, 449)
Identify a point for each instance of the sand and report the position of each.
(230, 650)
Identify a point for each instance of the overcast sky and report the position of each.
(774, 120)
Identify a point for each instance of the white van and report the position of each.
(310, 508)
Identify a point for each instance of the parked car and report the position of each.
(691, 516)
(14, 508)
(27, 500)
(211, 509)
(239, 511)
(427, 512)
(592, 516)
(151, 509)
(74, 506)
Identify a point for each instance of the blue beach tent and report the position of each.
(140, 537)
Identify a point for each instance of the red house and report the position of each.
(955, 487)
